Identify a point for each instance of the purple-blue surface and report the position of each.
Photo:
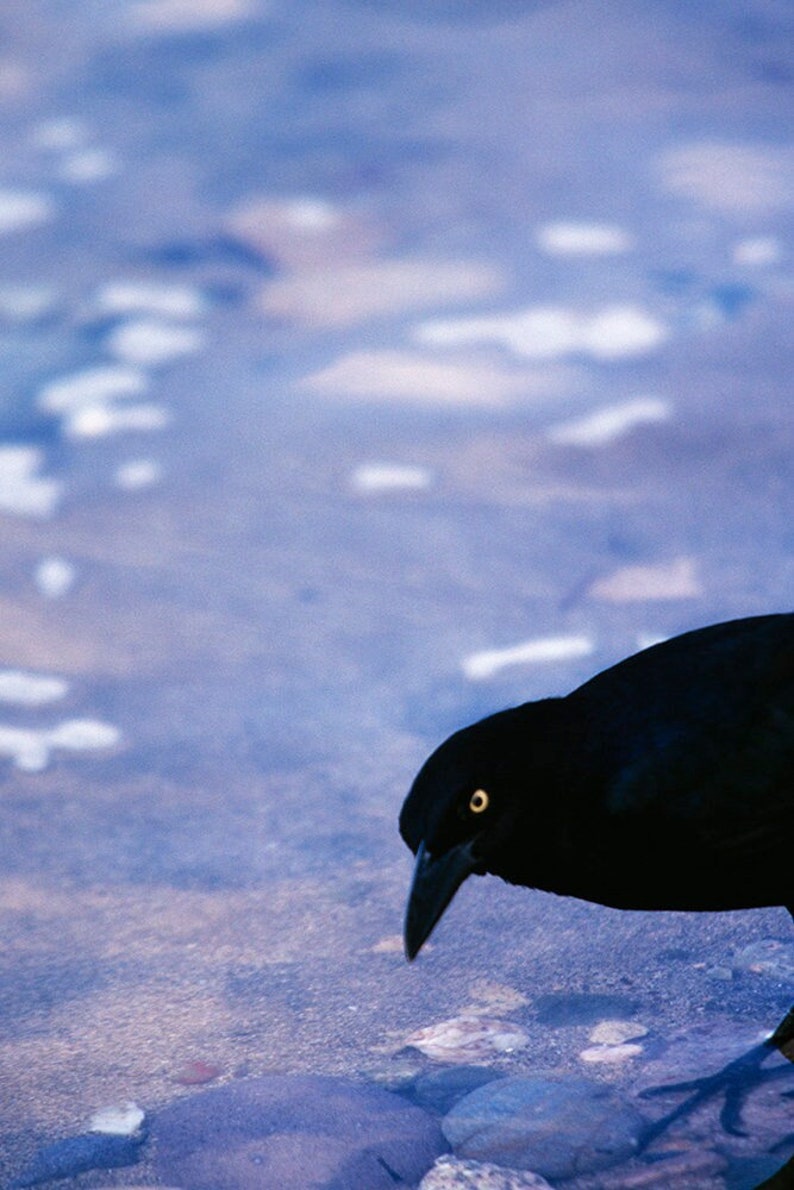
(366, 367)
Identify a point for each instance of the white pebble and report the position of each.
(676, 579)
(26, 303)
(30, 749)
(90, 387)
(616, 1032)
(30, 690)
(610, 1053)
(312, 214)
(758, 251)
(149, 297)
(21, 490)
(136, 474)
(97, 421)
(583, 239)
(150, 343)
(379, 477)
(59, 133)
(54, 577)
(80, 735)
(122, 1119)
(20, 209)
(468, 1039)
(611, 422)
(620, 331)
(89, 165)
(543, 649)
(550, 332)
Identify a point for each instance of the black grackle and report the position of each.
(665, 782)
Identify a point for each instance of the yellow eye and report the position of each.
(478, 801)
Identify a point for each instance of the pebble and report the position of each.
(478, 666)
(609, 1053)
(453, 1173)
(294, 1130)
(30, 748)
(468, 1039)
(149, 342)
(439, 1090)
(616, 1032)
(197, 1072)
(30, 690)
(98, 421)
(150, 297)
(614, 1042)
(91, 386)
(54, 576)
(78, 1154)
(20, 209)
(389, 477)
(610, 423)
(677, 579)
(583, 239)
(123, 1119)
(554, 332)
(21, 490)
(768, 957)
(137, 474)
(556, 1126)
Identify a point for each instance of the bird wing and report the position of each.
(693, 742)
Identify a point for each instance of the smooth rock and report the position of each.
(311, 1131)
(453, 1173)
(556, 1126)
(78, 1154)
(438, 1090)
(468, 1038)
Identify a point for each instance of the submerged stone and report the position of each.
(438, 1090)
(453, 1173)
(557, 1127)
(78, 1154)
(294, 1130)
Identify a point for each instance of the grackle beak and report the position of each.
(436, 880)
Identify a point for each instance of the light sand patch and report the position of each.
(735, 178)
(349, 294)
(583, 239)
(184, 16)
(612, 422)
(665, 580)
(304, 233)
(553, 332)
(424, 378)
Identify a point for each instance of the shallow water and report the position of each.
(377, 366)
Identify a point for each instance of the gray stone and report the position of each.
(454, 1173)
(312, 1131)
(77, 1154)
(438, 1090)
(558, 1127)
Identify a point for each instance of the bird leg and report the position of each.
(734, 1080)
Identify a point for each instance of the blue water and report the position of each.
(358, 348)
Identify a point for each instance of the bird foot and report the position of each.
(734, 1081)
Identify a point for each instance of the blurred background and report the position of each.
(367, 367)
